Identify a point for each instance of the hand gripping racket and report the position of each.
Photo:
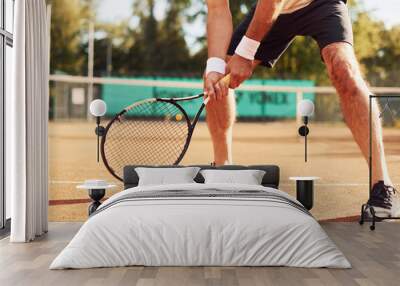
(155, 131)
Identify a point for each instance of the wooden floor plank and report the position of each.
(375, 257)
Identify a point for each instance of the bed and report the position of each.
(198, 224)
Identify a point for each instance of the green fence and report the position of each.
(250, 104)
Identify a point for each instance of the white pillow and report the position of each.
(248, 177)
(166, 176)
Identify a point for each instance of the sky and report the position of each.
(384, 10)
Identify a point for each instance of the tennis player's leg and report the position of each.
(345, 74)
(221, 114)
(330, 25)
(220, 119)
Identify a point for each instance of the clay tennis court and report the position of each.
(333, 156)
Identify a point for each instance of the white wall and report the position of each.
(8, 85)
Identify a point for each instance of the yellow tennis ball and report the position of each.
(178, 117)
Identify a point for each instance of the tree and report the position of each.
(144, 53)
(173, 52)
(384, 66)
(117, 42)
(367, 36)
(159, 46)
(65, 54)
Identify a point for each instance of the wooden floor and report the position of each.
(375, 257)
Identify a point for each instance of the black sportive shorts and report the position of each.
(326, 21)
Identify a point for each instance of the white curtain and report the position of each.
(26, 123)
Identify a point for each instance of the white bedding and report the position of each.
(183, 231)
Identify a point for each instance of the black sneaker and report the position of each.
(384, 200)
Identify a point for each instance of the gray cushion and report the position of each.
(166, 176)
(248, 177)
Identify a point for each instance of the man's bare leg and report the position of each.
(345, 75)
(220, 118)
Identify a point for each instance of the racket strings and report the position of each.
(146, 150)
(152, 133)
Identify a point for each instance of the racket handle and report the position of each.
(226, 79)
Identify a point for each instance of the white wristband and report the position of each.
(215, 64)
(247, 48)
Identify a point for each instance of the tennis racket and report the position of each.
(155, 131)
